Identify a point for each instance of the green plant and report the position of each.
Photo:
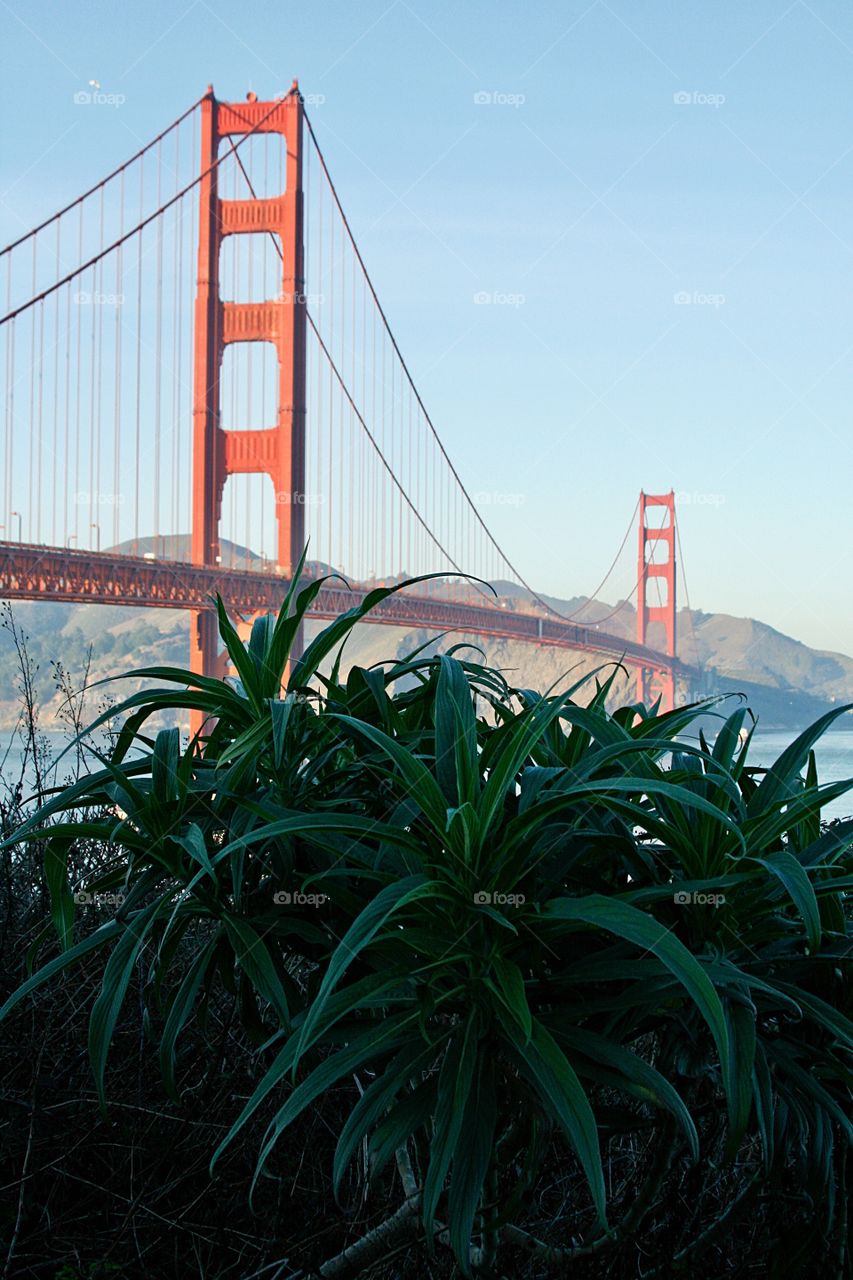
(538, 917)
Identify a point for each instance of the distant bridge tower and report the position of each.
(277, 451)
(651, 565)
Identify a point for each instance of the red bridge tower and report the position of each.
(279, 450)
(652, 565)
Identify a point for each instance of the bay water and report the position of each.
(834, 754)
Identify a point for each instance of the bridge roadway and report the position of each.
(29, 572)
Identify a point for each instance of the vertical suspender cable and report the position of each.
(383, 536)
(117, 357)
(137, 550)
(92, 399)
(40, 448)
(97, 497)
(78, 381)
(176, 354)
(249, 423)
(190, 260)
(236, 484)
(365, 510)
(330, 460)
(343, 462)
(322, 472)
(10, 407)
(374, 481)
(158, 361)
(66, 470)
(354, 494)
(32, 406)
(54, 497)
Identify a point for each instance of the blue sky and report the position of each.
(663, 189)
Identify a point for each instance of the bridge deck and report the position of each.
(64, 574)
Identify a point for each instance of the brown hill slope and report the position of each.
(787, 683)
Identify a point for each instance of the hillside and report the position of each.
(787, 683)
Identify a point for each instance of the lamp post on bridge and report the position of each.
(20, 524)
(97, 527)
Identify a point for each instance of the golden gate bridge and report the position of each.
(195, 343)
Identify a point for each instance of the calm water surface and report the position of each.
(834, 759)
(834, 755)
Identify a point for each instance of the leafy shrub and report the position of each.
(507, 915)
